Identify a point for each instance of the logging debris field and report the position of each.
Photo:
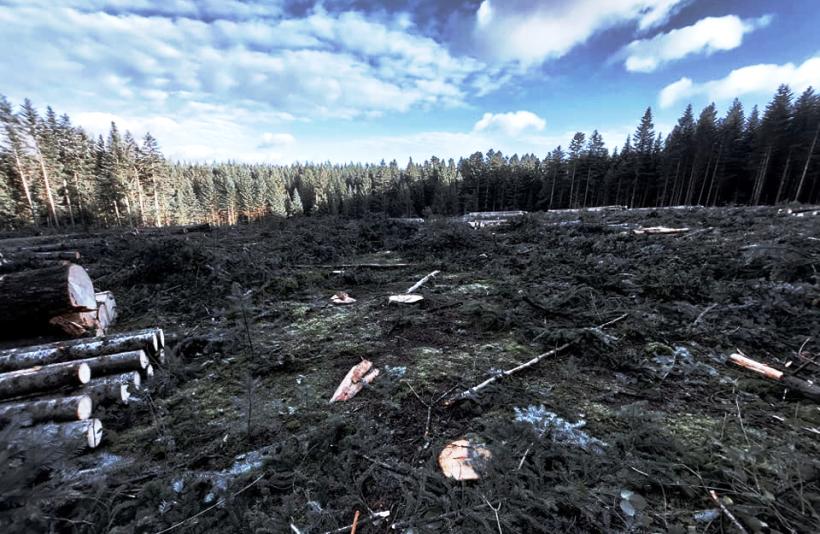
(639, 423)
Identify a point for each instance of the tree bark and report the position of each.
(30, 297)
(150, 340)
(106, 310)
(43, 378)
(115, 388)
(86, 433)
(109, 364)
(78, 324)
(74, 408)
(15, 263)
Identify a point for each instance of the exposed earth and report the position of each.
(627, 430)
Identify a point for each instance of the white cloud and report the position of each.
(512, 123)
(531, 32)
(706, 36)
(321, 65)
(270, 140)
(753, 79)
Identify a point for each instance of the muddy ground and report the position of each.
(625, 431)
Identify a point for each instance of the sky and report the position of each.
(353, 80)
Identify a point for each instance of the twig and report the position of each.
(355, 522)
(470, 393)
(422, 282)
(495, 511)
(726, 511)
(526, 452)
(704, 312)
(220, 502)
(352, 528)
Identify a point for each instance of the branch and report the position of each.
(470, 393)
(422, 282)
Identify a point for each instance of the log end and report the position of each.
(136, 381)
(125, 394)
(149, 372)
(81, 289)
(144, 362)
(84, 408)
(160, 338)
(94, 433)
(84, 373)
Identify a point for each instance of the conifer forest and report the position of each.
(53, 173)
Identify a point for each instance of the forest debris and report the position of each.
(471, 392)
(342, 297)
(561, 431)
(726, 511)
(404, 299)
(356, 379)
(807, 389)
(464, 459)
(422, 282)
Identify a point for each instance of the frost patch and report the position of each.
(560, 430)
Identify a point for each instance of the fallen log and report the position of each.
(43, 378)
(65, 255)
(31, 297)
(803, 387)
(15, 263)
(151, 340)
(74, 408)
(115, 388)
(86, 433)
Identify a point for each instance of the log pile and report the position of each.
(49, 392)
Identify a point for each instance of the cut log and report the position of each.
(14, 263)
(45, 378)
(74, 408)
(109, 364)
(421, 282)
(65, 255)
(807, 389)
(30, 297)
(106, 309)
(86, 433)
(115, 388)
(150, 340)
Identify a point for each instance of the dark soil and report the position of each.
(252, 330)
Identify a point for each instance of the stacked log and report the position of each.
(51, 390)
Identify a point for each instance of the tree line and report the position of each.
(54, 173)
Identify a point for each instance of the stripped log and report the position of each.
(43, 378)
(30, 297)
(115, 388)
(803, 387)
(151, 340)
(83, 434)
(74, 408)
(64, 255)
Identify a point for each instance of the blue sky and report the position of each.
(355, 80)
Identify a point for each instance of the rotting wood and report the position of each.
(151, 340)
(29, 297)
(422, 282)
(87, 433)
(44, 378)
(473, 391)
(73, 408)
(802, 387)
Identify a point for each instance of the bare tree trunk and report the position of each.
(141, 201)
(68, 201)
(80, 207)
(157, 220)
(761, 177)
(783, 178)
(806, 166)
(24, 182)
(49, 194)
(117, 212)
